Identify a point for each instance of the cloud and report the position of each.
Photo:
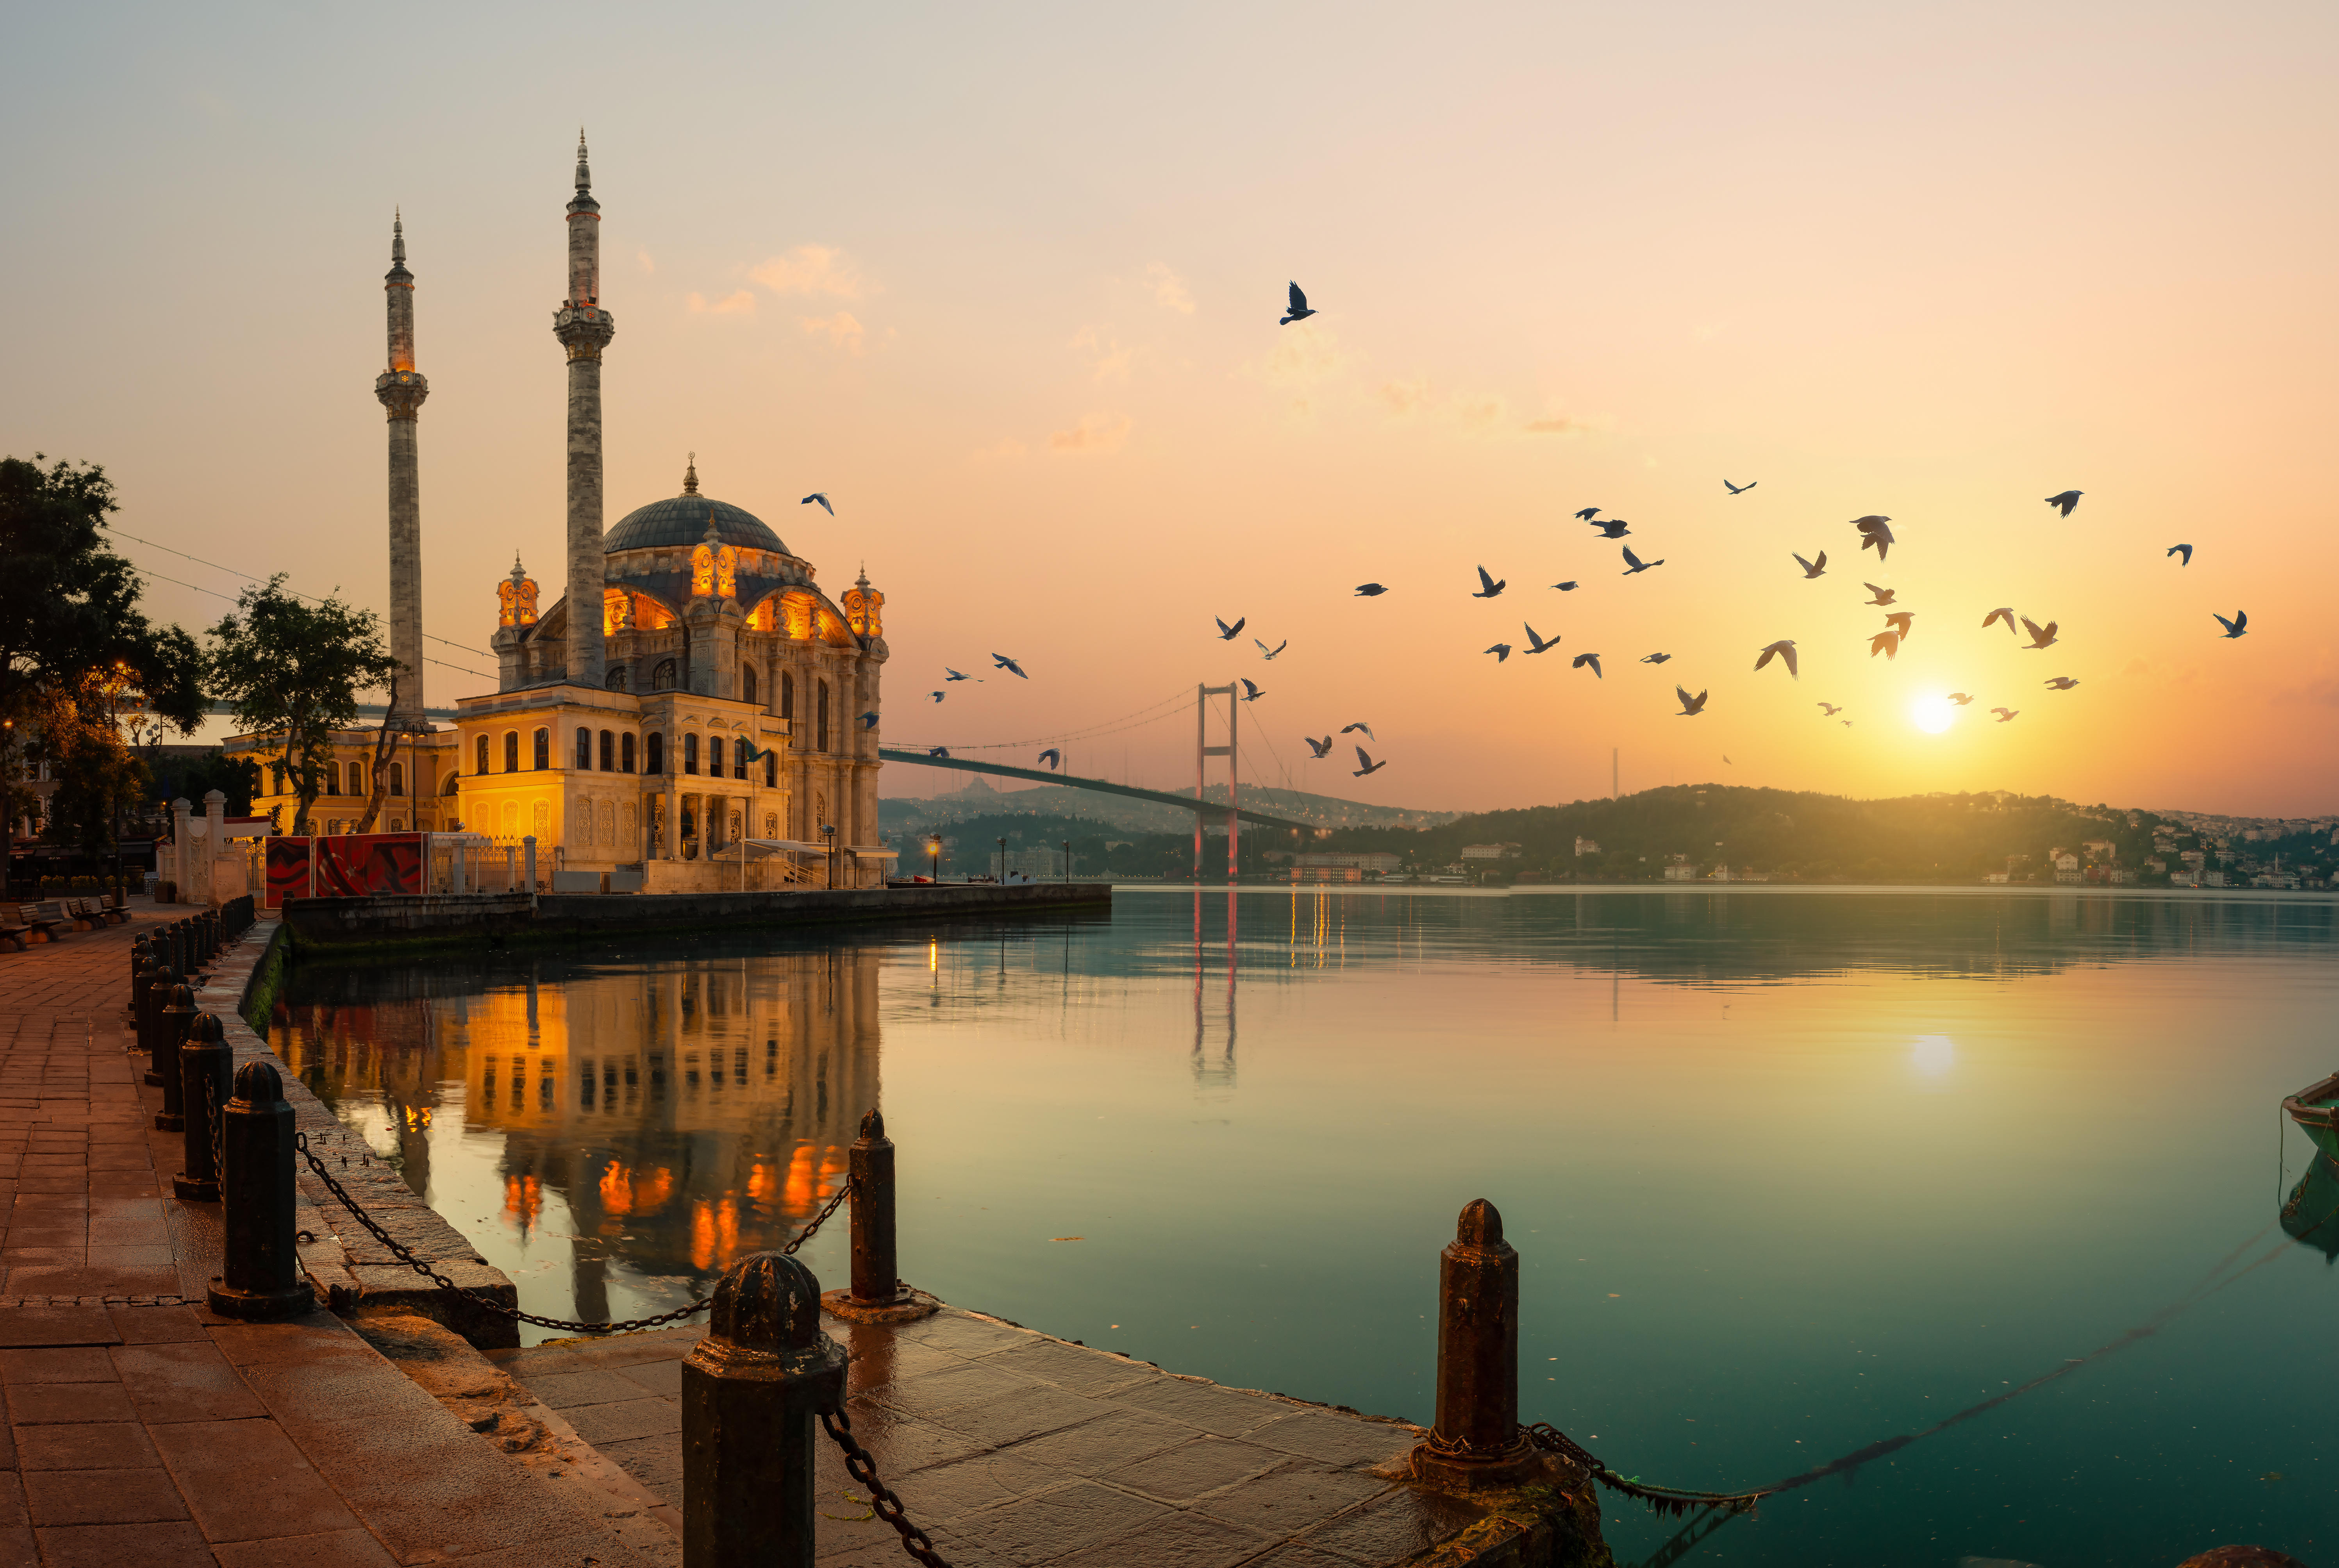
(644, 257)
(812, 269)
(1097, 433)
(1478, 413)
(1109, 360)
(1168, 288)
(843, 332)
(1557, 425)
(1303, 356)
(741, 303)
(1404, 398)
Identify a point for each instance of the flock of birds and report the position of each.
(1875, 532)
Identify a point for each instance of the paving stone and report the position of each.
(244, 1480)
(1286, 1501)
(338, 1549)
(1203, 1405)
(101, 1496)
(1184, 1472)
(153, 1545)
(1179, 1540)
(638, 1417)
(80, 1365)
(1057, 1523)
(569, 1390)
(87, 1445)
(32, 1403)
(1394, 1526)
(18, 1548)
(1335, 1440)
(1072, 1367)
(184, 1382)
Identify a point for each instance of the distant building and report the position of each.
(1996, 876)
(1682, 871)
(2101, 849)
(1492, 850)
(2213, 879)
(1583, 846)
(2193, 859)
(1343, 865)
(2064, 861)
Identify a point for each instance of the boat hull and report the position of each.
(2315, 1110)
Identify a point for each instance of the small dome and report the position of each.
(681, 521)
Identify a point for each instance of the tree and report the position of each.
(76, 656)
(292, 672)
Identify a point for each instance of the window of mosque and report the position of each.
(543, 750)
(483, 756)
(511, 751)
(771, 825)
(625, 754)
(584, 748)
(616, 682)
(787, 695)
(662, 675)
(748, 683)
(654, 752)
(397, 778)
(771, 770)
(608, 751)
(739, 757)
(690, 754)
(332, 777)
(819, 719)
(356, 778)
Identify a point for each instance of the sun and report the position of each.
(1933, 714)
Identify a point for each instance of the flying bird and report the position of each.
(2237, 625)
(1874, 535)
(950, 674)
(1655, 658)
(937, 751)
(1271, 652)
(1845, 723)
(2067, 500)
(1365, 765)
(1634, 564)
(1228, 633)
(1783, 649)
(822, 497)
(1299, 311)
(2005, 715)
(1487, 586)
(2003, 613)
(1727, 758)
(1828, 710)
(1252, 691)
(1588, 513)
(2040, 636)
(1345, 729)
(1592, 659)
(1002, 662)
(1959, 698)
(1883, 596)
(1740, 490)
(1565, 587)
(1053, 757)
(868, 721)
(1369, 591)
(1692, 705)
(1614, 528)
(1501, 651)
(2062, 682)
(2185, 550)
(937, 696)
(1319, 747)
(1885, 643)
(1811, 568)
(1536, 644)
(1899, 620)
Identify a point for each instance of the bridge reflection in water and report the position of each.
(656, 1121)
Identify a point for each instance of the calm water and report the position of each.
(1791, 1172)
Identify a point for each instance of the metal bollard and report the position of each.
(751, 1390)
(1476, 1444)
(170, 1030)
(158, 997)
(138, 954)
(260, 1278)
(142, 1001)
(878, 1295)
(204, 1066)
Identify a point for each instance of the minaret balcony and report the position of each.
(402, 392)
(584, 329)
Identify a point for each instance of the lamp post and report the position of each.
(1068, 860)
(828, 837)
(934, 856)
(1002, 863)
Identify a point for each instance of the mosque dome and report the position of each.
(681, 521)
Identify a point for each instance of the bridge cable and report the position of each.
(1090, 733)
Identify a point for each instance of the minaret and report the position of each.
(584, 329)
(401, 390)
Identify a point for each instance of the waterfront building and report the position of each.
(694, 690)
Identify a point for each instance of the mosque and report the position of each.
(714, 725)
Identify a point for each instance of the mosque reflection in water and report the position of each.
(658, 1119)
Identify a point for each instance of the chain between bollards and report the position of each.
(863, 1467)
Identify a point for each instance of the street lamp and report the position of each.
(1002, 862)
(1068, 860)
(934, 856)
(828, 837)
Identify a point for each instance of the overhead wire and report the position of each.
(247, 577)
(214, 593)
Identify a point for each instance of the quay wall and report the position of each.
(424, 920)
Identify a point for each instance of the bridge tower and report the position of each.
(1203, 752)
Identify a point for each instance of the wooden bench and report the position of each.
(88, 916)
(42, 928)
(16, 936)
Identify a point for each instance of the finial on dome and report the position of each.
(690, 476)
(518, 572)
(713, 537)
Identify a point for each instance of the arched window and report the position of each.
(787, 695)
(276, 771)
(654, 752)
(820, 720)
(739, 750)
(397, 778)
(609, 752)
(690, 754)
(511, 751)
(482, 766)
(584, 748)
(541, 752)
(333, 779)
(625, 752)
(616, 682)
(772, 775)
(662, 676)
(748, 683)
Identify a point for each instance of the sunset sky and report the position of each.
(1004, 282)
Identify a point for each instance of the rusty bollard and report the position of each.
(261, 1275)
(158, 1001)
(139, 952)
(751, 1391)
(1476, 1444)
(142, 1001)
(204, 1064)
(169, 1032)
(877, 1294)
